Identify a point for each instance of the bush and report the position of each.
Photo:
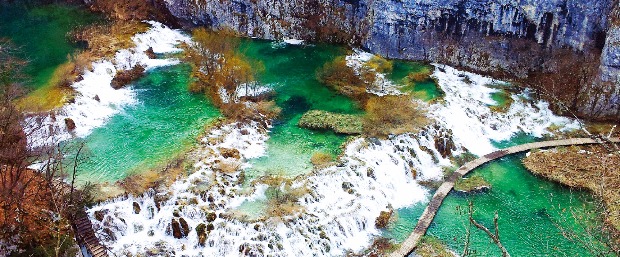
(344, 79)
(393, 115)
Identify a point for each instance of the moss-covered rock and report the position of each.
(471, 185)
(339, 123)
(431, 246)
(384, 219)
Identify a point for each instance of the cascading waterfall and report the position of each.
(197, 215)
(95, 100)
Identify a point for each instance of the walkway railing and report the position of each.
(433, 206)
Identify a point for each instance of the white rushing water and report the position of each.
(342, 202)
(95, 100)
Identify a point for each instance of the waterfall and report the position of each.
(343, 201)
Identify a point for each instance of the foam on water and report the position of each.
(465, 110)
(344, 200)
(89, 113)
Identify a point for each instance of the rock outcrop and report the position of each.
(505, 38)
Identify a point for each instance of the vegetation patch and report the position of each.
(218, 69)
(344, 79)
(339, 123)
(384, 219)
(593, 168)
(421, 75)
(379, 64)
(283, 196)
(104, 40)
(432, 247)
(471, 184)
(321, 159)
(124, 77)
(503, 99)
(392, 115)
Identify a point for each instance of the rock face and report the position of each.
(510, 38)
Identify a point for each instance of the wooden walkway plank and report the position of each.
(431, 209)
(85, 235)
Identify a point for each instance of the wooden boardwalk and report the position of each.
(433, 206)
(85, 235)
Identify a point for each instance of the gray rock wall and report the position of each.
(501, 37)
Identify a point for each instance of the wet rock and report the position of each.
(124, 77)
(241, 177)
(375, 141)
(137, 228)
(99, 215)
(184, 227)
(211, 216)
(230, 153)
(370, 173)
(150, 53)
(384, 219)
(70, 124)
(180, 228)
(136, 208)
(348, 187)
(109, 234)
(201, 231)
(97, 98)
(159, 199)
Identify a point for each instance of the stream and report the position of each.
(155, 120)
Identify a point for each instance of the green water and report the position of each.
(40, 32)
(166, 121)
(425, 90)
(529, 208)
(290, 71)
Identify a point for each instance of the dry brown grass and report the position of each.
(283, 197)
(595, 170)
(344, 79)
(379, 64)
(432, 247)
(228, 166)
(321, 159)
(419, 76)
(392, 115)
(105, 40)
(153, 178)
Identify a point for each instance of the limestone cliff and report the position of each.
(567, 48)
